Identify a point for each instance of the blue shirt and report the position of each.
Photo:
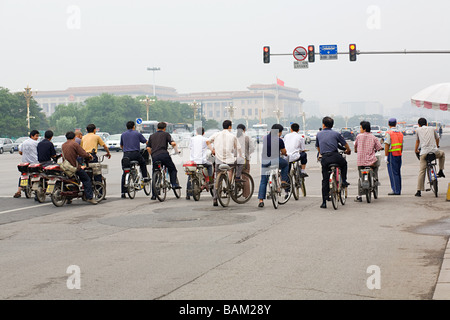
(130, 140)
(45, 150)
(268, 154)
(327, 140)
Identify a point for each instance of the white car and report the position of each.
(376, 131)
(6, 144)
(312, 134)
(113, 142)
(58, 142)
(305, 136)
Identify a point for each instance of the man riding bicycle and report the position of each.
(428, 142)
(273, 148)
(157, 147)
(130, 142)
(327, 144)
(227, 150)
(295, 148)
(366, 144)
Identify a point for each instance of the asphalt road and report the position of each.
(391, 248)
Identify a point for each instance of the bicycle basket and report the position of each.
(96, 168)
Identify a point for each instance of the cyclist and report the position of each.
(327, 144)
(295, 148)
(157, 147)
(199, 150)
(226, 147)
(366, 144)
(130, 142)
(248, 148)
(273, 148)
(428, 141)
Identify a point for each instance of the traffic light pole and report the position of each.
(380, 52)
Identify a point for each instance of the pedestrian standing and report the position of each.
(393, 149)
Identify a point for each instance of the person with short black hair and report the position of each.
(366, 145)
(427, 141)
(248, 148)
(157, 145)
(273, 149)
(71, 151)
(130, 143)
(295, 148)
(328, 142)
(46, 149)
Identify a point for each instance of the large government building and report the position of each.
(258, 102)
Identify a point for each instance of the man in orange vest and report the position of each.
(393, 156)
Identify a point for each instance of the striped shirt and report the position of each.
(427, 137)
(366, 144)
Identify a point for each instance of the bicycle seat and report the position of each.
(134, 162)
(431, 156)
(157, 163)
(331, 165)
(224, 167)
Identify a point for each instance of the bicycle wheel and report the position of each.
(129, 183)
(274, 194)
(177, 192)
(147, 188)
(303, 186)
(159, 185)
(368, 195)
(286, 193)
(432, 179)
(99, 190)
(196, 189)
(334, 192)
(57, 199)
(223, 190)
(375, 188)
(342, 191)
(296, 184)
(243, 191)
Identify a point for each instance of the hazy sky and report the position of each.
(217, 45)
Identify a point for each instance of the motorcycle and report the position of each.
(39, 179)
(63, 188)
(25, 178)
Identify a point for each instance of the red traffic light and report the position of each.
(311, 48)
(266, 49)
(352, 47)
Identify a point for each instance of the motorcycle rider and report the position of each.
(46, 150)
(71, 150)
(28, 151)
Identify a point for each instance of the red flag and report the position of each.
(280, 82)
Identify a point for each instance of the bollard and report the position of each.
(448, 192)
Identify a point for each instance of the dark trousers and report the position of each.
(265, 172)
(134, 156)
(84, 178)
(327, 159)
(394, 169)
(165, 160)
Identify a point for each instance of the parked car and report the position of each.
(409, 131)
(312, 134)
(6, 145)
(18, 142)
(348, 134)
(113, 142)
(376, 131)
(58, 142)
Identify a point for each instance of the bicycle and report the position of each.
(338, 192)
(197, 174)
(94, 169)
(368, 183)
(133, 178)
(161, 182)
(275, 188)
(228, 188)
(298, 180)
(431, 173)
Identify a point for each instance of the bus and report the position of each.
(152, 125)
(182, 127)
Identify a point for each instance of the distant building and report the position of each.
(48, 100)
(260, 101)
(360, 107)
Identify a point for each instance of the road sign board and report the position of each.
(328, 52)
(300, 53)
(139, 121)
(301, 65)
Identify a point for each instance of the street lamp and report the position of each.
(230, 109)
(28, 94)
(148, 101)
(153, 69)
(278, 113)
(194, 105)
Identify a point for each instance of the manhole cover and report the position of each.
(176, 217)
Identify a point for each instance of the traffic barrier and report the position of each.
(448, 192)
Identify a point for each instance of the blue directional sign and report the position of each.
(328, 52)
(139, 120)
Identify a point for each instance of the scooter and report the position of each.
(25, 178)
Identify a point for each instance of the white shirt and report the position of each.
(427, 137)
(199, 149)
(294, 144)
(225, 144)
(29, 151)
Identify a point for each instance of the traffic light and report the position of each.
(266, 54)
(352, 52)
(311, 54)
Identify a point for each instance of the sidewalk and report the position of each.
(442, 290)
